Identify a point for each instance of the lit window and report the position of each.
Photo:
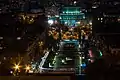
(115, 3)
(83, 17)
(50, 22)
(49, 16)
(67, 12)
(90, 22)
(119, 20)
(18, 38)
(75, 2)
(56, 15)
(1, 37)
(94, 6)
(63, 61)
(98, 18)
(83, 57)
(60, 18)
(4, 58)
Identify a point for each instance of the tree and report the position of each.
(106, 68)
(96, 70)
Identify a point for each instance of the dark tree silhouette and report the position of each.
(106, 68)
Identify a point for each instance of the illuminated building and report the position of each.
(71, 15)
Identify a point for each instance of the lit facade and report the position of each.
(70, 16)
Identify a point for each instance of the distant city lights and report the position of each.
(48, 16)
(83, 17)
(118, 20)
(27, 68)
(1, 47)
(94, 6)
(11, 72)
(1, 37)
(69, 27)
(63, 61)
(18, 38)
(90, 23)
(16, 67)
(78, 22)
(50, 22)
(56, 15)
(83, 65)
(4, 58)
(75, 2)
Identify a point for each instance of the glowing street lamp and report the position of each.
(40, 43)
(90, 23)
(75, 2)
(63, 61)
(27, 68)
(50, 22)
(16, 67)
(18, 38)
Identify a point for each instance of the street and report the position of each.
(68, 58)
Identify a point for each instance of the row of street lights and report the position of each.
(17, 68)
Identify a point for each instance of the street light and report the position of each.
(63, 61)
(90, 23)
(16, 67)
(75, 2)
(40, 43)
(50, 22)
(27, 68)
(18, 38)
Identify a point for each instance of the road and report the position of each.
(70, 57)
(67, 58)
